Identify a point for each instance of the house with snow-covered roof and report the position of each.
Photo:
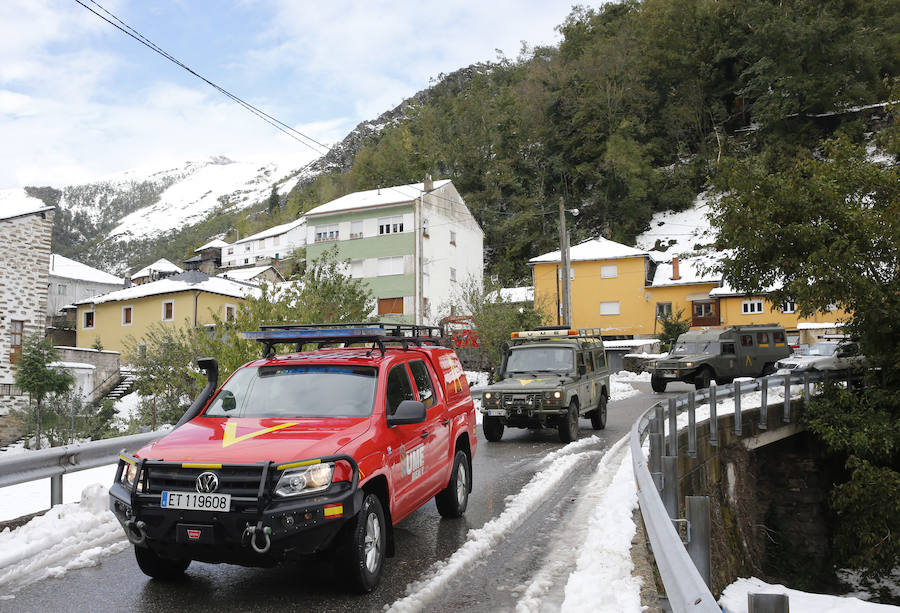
(266, 247)
(255, 275)
(71, 281)
(208, 257)
(188, 299)
(413, 245)
(159, 269)
(25, 224)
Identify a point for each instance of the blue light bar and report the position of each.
(312, 335)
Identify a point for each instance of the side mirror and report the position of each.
(582, 369)
(409, 412)
(228, 401)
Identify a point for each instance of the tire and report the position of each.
(598, 415)
(658, 384)
(361, 546)
(453, 499)
(768, 369)
(568, 426)
(703, 378)
(157, 567)
(492, 428)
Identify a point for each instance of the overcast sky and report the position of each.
(79, 99)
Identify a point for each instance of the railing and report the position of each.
(686, 585)
(53, 463)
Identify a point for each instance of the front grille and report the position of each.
(237, 481)
(521, 399)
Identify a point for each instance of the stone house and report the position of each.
(25, 224)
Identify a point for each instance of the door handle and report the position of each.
(425, 435)
(446, 422)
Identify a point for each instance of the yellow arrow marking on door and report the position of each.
(230, 438)
(749, 363)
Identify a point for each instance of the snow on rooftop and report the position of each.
(70, 269)
(247, 274)
(15, 202)
(273, 231)
(213, 244)
(516, 294)
(192, 280)
(160, 265)
(593, 249)
(815, 325)
(689, 272)
(375, 197)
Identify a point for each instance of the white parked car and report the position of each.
(827, 355)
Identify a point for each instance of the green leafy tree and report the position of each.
(673, 325)
(34, 375)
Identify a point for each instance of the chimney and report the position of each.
(675, 275)
(429, 184)
(128, 281)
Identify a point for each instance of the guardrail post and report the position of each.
(767, 603)
(787, 399)
(763, 403)
(692, 425)
(673, 428)
(738, 421)
(806, 386)
(696, 511)
(713, 420)
(670, 485)
(56, 490)
(657, 449)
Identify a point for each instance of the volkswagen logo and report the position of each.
(207, 483)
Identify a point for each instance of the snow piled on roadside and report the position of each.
(621, 384)
(734, 599)
(34, 496)
(67, 537)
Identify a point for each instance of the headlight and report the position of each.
(557, 394)
(688, 364)
(304, 480)
(129, 474)
(488, 395)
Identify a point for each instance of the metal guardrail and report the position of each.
(54, 462)
(685, 586)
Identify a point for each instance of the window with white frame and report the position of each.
(703, 309)
(609, 271)
(789, 306)
(452, 237)
(168, 310)
(390, 225)
(127, 313)
(356, 229)
(571, 274)
(87, 320)
(390, 266)
(609, 308)
(328, 232)
(230, 312)
(453, 275)
(750, 307)
(663, 310)
(356, 269)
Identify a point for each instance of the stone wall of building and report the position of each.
(106, 363)
(24, 274)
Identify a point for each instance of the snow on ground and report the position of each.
(620, 384)
(34, 496)
(734, 599)
(69, 536)
(863, 588)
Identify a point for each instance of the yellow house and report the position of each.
(187, 299)
(624, 291)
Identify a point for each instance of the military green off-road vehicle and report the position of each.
(549, 378)
(701, 355)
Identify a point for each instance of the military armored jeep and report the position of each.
(549, 377)
(701, 355)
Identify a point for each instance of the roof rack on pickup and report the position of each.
(379, 333)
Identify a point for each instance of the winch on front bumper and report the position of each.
(525, 410)
(258, 528)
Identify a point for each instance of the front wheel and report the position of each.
(361, 546)
(158, 567)
(492, 428)
(702, 379)
(453, 499)
(568, 424)
(658, 384)
(598, 415)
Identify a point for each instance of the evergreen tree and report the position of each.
(35, 375)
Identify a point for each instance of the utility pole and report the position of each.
(564, 269)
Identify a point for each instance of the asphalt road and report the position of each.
(500, 470)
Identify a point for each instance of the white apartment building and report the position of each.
(269, 245)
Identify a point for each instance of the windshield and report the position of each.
(821, 349)
(691, 348)
(297, 391)
(541, 359)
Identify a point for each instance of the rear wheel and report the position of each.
(568, 424)
(598, 415)
(452, 500)
(658, 384)
(164, 569)
(361, 546)
(703, 378)
(492, 428)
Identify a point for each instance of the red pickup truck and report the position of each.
(309, 451)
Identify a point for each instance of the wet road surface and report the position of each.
(500, 471)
